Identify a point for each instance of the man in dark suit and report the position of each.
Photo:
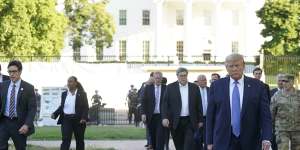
(18, 108)
(140, 97)
(200, 140)
(238, 110)
(3, 77)
(182, 110)
(151, 111)
(257, 73)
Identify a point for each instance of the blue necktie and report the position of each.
(235, 116)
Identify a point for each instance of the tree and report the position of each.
(89, 23)
(31, 28)
(281, 19)
(102, 28)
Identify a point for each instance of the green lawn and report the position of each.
(93, 133)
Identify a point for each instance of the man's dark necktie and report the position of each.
(12, 105)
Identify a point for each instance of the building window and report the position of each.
(122, 50)
(122, 17)
(179, 17)
(206, 56)
(146, 17)
(179, 50)
(235, 17)
(235, 46)
(146, 50)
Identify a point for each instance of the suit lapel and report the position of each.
(153, 95)
(20, 91)
(177, 91)
(77, 99)
(227, 96)
(190, 94)
(4, 96)
(245, 95)
(163, 87)
(207, 95)
(64, 99)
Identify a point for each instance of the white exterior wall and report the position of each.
(221, 31)
(134, 32)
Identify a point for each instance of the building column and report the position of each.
(158, 28)
(188, 25)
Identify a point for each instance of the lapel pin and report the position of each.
(249, 85)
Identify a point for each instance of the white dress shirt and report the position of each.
(17, 88)
(69, 107)
(184, 93)
(241, 91)
(203, 92)
(1, 78)
(157, 91)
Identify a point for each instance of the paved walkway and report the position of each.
(116, 144)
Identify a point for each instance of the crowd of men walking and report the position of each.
(235, 113)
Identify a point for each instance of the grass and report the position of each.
(93, 133)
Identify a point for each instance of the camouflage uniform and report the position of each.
(286, 116)
(132, 100)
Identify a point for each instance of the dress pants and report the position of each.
(167, 138)
(201, 143)
(9, 128)
(156, 132)
(183, 134)
(70, 125)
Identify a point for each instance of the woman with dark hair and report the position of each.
(73, 114)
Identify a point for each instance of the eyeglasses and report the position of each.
(12, 71)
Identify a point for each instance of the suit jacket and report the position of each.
(172, 104)
(81, 106)
(5, 78)
(26, 104)
(148, 101)
(268, 91)
(255, 115)
(207, 98)
(273, 91)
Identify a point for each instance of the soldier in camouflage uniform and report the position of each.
(285, 107)
(132, 101)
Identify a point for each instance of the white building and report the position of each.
(186, 30)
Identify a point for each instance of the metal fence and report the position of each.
(280, 64)
(108, 116)
(196, 59)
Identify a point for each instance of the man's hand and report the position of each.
(24, 129)
(209, 147)
(144, 118)
(165, 123)
(266, 145)
(82, 121)
(200, 124)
